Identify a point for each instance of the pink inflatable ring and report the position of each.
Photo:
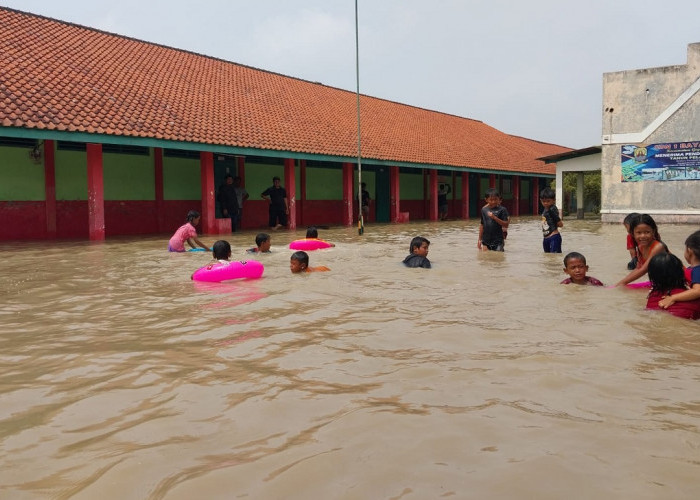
(309, 244)
(250, 269)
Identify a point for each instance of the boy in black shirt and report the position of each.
(419, 253)
(494, 220)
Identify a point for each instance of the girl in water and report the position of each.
(667, 277)
(647, 243)
(187, 233)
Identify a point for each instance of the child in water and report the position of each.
(299, 263)
(187, 233)
(551, 222)
(494, 221)
(419, 253)
(667, 277)
(692, 256)
(575, 266)
(262, 242)
(221, 251)
(632, 264)
(647, 243)
(312, 234)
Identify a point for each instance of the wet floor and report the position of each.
(480, 378)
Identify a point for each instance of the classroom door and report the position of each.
(383, 194)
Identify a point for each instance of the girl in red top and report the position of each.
(667, 277)
(647, 243)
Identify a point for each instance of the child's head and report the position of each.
(666, 272)
(575, 266)
(692, 247)
(547, 197)
(312, 232)
(221, 250)
(262, 241)
(299, 261)
(628, 220)
(192, 217)
(419, 246)
(492, 197)
(643, 229)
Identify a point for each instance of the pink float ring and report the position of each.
(309, 244)
(250, 269)
(639, 284)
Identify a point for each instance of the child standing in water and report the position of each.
(551, 222)
(647, 243)
(632, 264)
(494, 220)
(692, 256)
(299, 263)
(188, 233)
(667, 277)
(575, 266)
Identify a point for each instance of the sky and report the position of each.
(531, 68)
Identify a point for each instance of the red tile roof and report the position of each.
(61, 76)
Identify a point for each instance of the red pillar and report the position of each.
(535, 196)
(433, 212)
(465, 195)
(492, 181)
(160, 201)
(290, 186)
(50, 188)
(206, 166)
(348, 169)
(96, 194)
(454, 193)
(394, 194)
(516, 195)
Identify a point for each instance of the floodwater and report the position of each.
(480, 378)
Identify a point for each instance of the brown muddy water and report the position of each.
(481, 378)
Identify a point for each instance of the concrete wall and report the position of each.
(650, 106)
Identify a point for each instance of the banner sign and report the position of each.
(670, 161)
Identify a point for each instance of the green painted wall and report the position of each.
(71, 175)
(411, 186)
(21, 178)
(324, 183)
(181, 179)
(129, 177)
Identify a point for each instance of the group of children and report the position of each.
(672, 287)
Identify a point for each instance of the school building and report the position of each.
(104, 135)
(650, 154)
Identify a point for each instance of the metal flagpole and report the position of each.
(360, 220)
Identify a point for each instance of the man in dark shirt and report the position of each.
(279, 206)
(229, 201)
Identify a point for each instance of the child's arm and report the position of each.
(198, 243)
(638, 273)
(502, 223)
(481, 233)
(692, 294)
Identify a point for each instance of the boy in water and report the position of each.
(551, 222)
(494, 220)
(575, 266)
(419, 253)
(299, 263)
(262, 242)
(692, 256)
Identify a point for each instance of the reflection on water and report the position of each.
(480, 378)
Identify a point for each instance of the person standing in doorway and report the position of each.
(228, 200)
(279, 206)
(241, 196)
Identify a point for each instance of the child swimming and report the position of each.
(299, 263)
(262, 244)
(692, 256)
(418, 256)
(575, 266)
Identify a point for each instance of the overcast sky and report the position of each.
(526, 67)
